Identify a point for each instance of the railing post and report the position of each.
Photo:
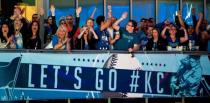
(109, 100)
(183, 100)
(27, 101)
(146, 100)
(69, 101)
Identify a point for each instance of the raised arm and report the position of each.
(52, 10)
(194, 17)
(199, 23)
(78, 11)
(116, 24)
(94, 33)
(180, 19)
(41, 23)
(93, 13)
(108, 22)
(185, 38)
(82, 32)
(163, 33)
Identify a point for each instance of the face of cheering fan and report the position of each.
(34, 27)
(172, 30)
(190, 29)
(155, 33)
(130, 27)
(17, 11)
(17, 24)
(149, 30)
(62, 32)
(49, 20)
(63, 22)
(69, 19)
(90, 23)
(5, 29)
(35, 17)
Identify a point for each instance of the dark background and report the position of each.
(8, 6)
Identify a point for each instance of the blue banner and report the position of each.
(29, 76)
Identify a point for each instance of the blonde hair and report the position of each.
(63, 28)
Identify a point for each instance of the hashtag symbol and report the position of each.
(134, 83)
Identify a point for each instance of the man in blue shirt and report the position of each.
(103, 34)
(129, 38)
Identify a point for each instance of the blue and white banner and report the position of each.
(29, 76)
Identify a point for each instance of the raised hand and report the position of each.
(130, 50)
(91, 29)
(78, 10)
(52, 9)
(201, 15)
(41, 11)
(179, 13)
(109, 7)
(167, 27)
(124, 15)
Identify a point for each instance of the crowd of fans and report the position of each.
(18, 33)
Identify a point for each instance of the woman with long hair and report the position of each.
(34, 41)
(5, 35)
(87, 38)
(59, 40)
(155, 43)
(172, 39)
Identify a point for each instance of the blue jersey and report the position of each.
(103, 39)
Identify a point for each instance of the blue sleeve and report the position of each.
(142, 38)
(97, 31)
(122, 29)
(136, 40)
(54, 40)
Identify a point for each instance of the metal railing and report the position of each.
(101, 51)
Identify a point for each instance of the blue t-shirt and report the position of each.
(142, 38)
(126, 41)
(55, 42)
(103, 39)
(193, 37)
(172, 43)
